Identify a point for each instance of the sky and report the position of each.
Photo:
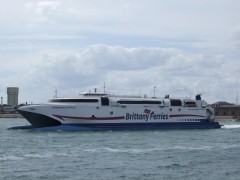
(133, 47)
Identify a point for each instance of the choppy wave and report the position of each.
(150, 150)
(11, 158)
(162, 154)
(31, 156)
(45, 155)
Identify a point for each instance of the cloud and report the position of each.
(127, 71)
(234, 39)
(180, 47)
(174, 19)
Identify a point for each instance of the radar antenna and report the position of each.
(55, 93)
(104, 87)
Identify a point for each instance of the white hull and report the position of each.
(120, 112)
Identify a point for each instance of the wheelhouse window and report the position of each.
(75, 100)
(176, 102)
(105, 101)
(190, 104)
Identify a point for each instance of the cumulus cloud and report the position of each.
(128, 71)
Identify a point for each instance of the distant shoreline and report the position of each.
(20, 116)
(11, 116)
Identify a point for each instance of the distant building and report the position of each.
(222, 108)
(12, 96)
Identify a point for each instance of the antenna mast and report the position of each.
(237, 99)
(154, 89)
(104, 88)
(56, 93)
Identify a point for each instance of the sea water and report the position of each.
(160, 154)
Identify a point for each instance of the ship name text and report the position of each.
(146, 117)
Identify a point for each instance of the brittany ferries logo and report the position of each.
(147, 115)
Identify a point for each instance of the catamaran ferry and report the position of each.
(100, 111)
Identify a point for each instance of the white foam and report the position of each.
(192, 148)
(11, 158)
(233, 126)
(38, 155)
(122, 150)
(149, 150)
(45, 155)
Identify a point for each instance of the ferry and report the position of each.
(101, 111)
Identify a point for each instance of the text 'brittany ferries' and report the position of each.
(148, 115)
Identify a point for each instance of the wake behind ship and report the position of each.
(100, 111)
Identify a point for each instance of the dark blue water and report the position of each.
(161, 154)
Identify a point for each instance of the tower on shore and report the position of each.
(12, 96)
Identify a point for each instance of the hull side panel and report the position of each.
(39, 120)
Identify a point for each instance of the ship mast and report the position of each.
(237, 99)
(104, 88)
(154, 90)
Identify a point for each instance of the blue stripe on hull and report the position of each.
(127, 126)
